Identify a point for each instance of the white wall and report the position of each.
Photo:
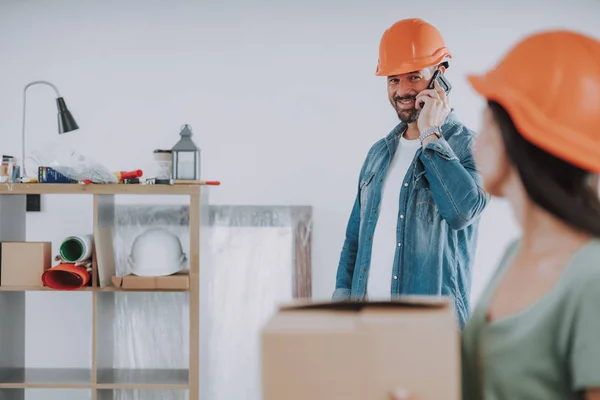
(282, 97)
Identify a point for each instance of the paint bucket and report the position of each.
(75, 249)
(66, 277)
(163, 160)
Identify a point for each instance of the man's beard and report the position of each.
(407, 116)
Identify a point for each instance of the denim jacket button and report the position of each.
(406, 184)
(399, 244)
(395, 277)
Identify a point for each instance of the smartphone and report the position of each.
(441, 79)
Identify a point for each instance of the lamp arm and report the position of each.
(42, 83)
(23, 125)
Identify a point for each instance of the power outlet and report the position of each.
(34, 203)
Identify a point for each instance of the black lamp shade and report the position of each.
(66, 122)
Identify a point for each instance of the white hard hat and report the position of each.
(156, 252)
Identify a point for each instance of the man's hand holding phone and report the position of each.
(434, 111)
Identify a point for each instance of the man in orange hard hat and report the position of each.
(413, 227)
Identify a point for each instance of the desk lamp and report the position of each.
(66, 122)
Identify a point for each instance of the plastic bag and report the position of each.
(69, 163)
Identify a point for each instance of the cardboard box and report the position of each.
(179, 281)
(23, 263)
(362, 351)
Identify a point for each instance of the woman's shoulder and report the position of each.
(584, 268)
(581, 282)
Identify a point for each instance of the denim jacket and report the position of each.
(440, 202)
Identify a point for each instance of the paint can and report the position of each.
(75, 249)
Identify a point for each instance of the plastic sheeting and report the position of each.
(252, 259)
(143, 337)
(255, 265)
(150, 330)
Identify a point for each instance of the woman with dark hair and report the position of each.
(535, 333)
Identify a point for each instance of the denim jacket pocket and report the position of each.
(426, 208)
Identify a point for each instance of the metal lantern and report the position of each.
(186, 157)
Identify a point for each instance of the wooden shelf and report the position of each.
(85, 289)
(143, 379)
(101, 378)
(74, 188)
(19, 378)
(50, 378)
(41, 289)
(119, 290)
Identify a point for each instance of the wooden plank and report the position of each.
(116, 289)
(94, 371)
(194, 367)
(39, 289)
(59, 188)
(104, 216)
(95, 329)
(142, 378)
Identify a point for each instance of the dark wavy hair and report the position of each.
(559, 187)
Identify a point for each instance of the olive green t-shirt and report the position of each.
(550, 350)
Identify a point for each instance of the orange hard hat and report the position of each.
(549, 83)
(410, 45)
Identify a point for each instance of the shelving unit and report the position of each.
(101, 378)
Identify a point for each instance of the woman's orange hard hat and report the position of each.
(549, 83)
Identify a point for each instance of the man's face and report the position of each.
(402, 90)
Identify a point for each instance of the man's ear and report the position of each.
(442, 68)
